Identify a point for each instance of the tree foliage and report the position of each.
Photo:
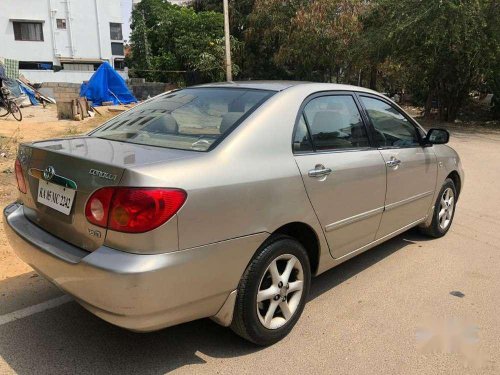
(167, 38)
(445, 44)
(437, 50)
(322, 39)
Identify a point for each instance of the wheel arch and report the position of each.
(307, 236)
(455, 177)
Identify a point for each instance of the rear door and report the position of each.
(344, 176)
(411, 168)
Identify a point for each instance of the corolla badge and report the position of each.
(101, 174)
(49, 173)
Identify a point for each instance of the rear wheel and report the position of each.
(272, 292)
(15, 110)
(444, 211)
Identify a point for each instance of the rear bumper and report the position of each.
(137, 292)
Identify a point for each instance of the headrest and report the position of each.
(228, 119)
(335, 106)
(163, 124)
(327, 122)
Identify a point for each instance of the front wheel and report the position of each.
(444, 211)
(272, 292)
(15, 110)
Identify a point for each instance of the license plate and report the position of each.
(55, 196)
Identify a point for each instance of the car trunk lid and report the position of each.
(82, 165)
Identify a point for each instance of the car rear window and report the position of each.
(188, 119)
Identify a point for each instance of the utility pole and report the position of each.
(229, 73)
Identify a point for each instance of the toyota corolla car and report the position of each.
(223, 200)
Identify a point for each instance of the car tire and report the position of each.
(444, 211)
(263, 320)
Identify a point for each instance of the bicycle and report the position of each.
(8, 106)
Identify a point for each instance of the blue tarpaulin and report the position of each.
(29, 92)
(106, 85)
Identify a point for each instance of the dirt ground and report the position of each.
(409, 306)
(38, 123)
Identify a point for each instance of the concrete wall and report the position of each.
(143, 90)
(71, 76)
(64, 92)
(23, 50)
(87, 34)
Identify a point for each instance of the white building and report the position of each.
(61, 40)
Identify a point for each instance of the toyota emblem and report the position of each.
(48, 173)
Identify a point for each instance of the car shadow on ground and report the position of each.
(25, 290)
(68, 339)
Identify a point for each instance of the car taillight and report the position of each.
(97, 208)
(21, 183)
(133, 210)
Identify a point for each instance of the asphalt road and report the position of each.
(409, 306)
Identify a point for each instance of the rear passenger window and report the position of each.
(335, 123)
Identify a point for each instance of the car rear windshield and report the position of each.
(188, 119)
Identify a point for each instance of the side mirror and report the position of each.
(437, 137)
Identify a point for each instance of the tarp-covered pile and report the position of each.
(20, 92)
(106, 85)
(9, 72)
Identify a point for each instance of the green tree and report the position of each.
(321, 40)
(167, 38)
(444, 44)
(492, 77)
(269, 25)
(212, 62)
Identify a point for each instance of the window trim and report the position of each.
(319, 94)
(419, 130)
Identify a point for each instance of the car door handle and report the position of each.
(393, 162)
(319, 171)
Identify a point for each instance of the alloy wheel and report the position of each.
(280, 291)
(446, 208)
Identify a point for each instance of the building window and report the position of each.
(119, 64)
(36, 65)
(79, 67)
(61, 23)
(116, 31)
(117, 49)
(28, 31)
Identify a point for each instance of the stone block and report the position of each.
(64, 110)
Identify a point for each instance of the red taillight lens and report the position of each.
(133, 210)
(21, 183)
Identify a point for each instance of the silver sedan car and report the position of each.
(223, 200)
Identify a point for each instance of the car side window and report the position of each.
(335, 123)
(392, 129)
(301, 141)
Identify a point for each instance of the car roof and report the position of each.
(283, 85)
(261, 85)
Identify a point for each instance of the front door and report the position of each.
(411, 168)
(344, 177)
